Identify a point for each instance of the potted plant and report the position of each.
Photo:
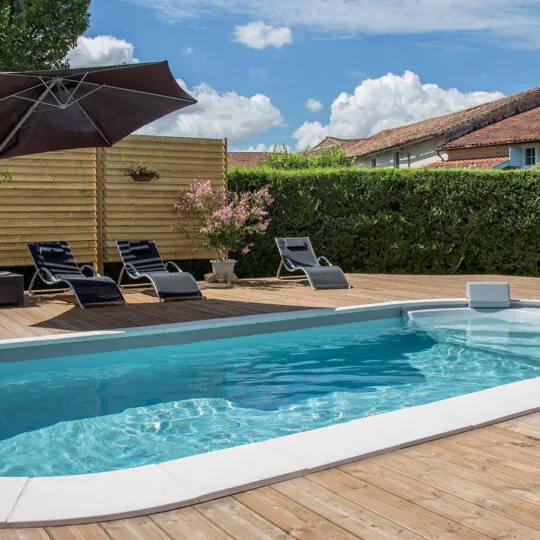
(143, 173)
(226, 221)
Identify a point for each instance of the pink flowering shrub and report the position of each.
(227, 221)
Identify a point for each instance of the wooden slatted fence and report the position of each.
(86, 198)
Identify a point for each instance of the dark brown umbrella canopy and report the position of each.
(42, 111)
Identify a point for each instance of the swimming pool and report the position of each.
(159, 396)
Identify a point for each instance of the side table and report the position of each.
(11, 289)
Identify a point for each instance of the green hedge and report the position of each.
(402, 221)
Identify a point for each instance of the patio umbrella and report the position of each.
(42, 111)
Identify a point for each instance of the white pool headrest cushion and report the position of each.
(490, 294)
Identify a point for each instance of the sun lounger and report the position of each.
(55, 264)
(142, 260)
(297, 255)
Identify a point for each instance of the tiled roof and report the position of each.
(335, 141)
(452, 126)
(478, 163)
(245, 159)
(524, 127)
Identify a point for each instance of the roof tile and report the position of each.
(524, 127)
(476, 163)
(245, 159)
(452, 126)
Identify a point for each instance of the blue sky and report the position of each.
(254, 64)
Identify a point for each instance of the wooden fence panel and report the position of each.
(52, 197)
(86, 197)
(141, 210)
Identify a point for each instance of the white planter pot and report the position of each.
(223, 270)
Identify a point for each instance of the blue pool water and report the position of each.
(100, 412)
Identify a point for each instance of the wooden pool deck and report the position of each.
(480, 484)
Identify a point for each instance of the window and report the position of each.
(530, 156)
(374, 163)
(397, 159)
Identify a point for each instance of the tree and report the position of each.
(37, 34)
(283, 158)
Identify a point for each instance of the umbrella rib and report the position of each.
(25, 116)
(98, 129)
(16, 94)
(190, 100)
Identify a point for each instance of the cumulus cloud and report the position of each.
(257, 35)
(187, 51)
(390, 101)
(101, 51)
(217, 115)
(314, 105)
(515, 20)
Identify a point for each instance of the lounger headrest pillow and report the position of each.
(51, 250)
(139, 248)
(296, 244)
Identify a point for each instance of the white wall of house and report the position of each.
(420, 154)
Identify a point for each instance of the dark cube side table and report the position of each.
(11, 289)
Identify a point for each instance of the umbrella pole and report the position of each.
(26, 115)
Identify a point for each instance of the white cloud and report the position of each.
(314, 105)
(257, 35)
(101, 51)
(187, 51)
(387, 102)
(218, 115)
(515, 20)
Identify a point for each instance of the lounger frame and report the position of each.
(48, 278)
(294, 268)
(130, 270)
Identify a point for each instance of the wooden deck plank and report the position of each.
(239, 521)
(523, 488)
(24, 534)
(341, 511)
(140, 528)
(78, 532)
(188, 524)
(287, 514)
(407, 514)
(479, 484)
(482, 520)
(470, 490)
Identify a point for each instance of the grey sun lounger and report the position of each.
(142, 260)
(55, 264)
(297, 255)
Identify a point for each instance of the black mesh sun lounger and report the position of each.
(297, 255)
(55, 264)
(142, 260)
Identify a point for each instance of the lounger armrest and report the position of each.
(46, 275)
(174, 265)
(289, 265)
(91, 268)
(131, 270)
(323, 258)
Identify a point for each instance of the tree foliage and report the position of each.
(283, 158)
(402, 220)
(37, 34)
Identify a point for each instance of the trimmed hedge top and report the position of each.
(402, 220)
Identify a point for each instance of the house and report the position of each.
(511, 143)
(424, 143)
(245, 159)
(332, 142)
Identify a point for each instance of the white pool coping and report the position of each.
(64, 500)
